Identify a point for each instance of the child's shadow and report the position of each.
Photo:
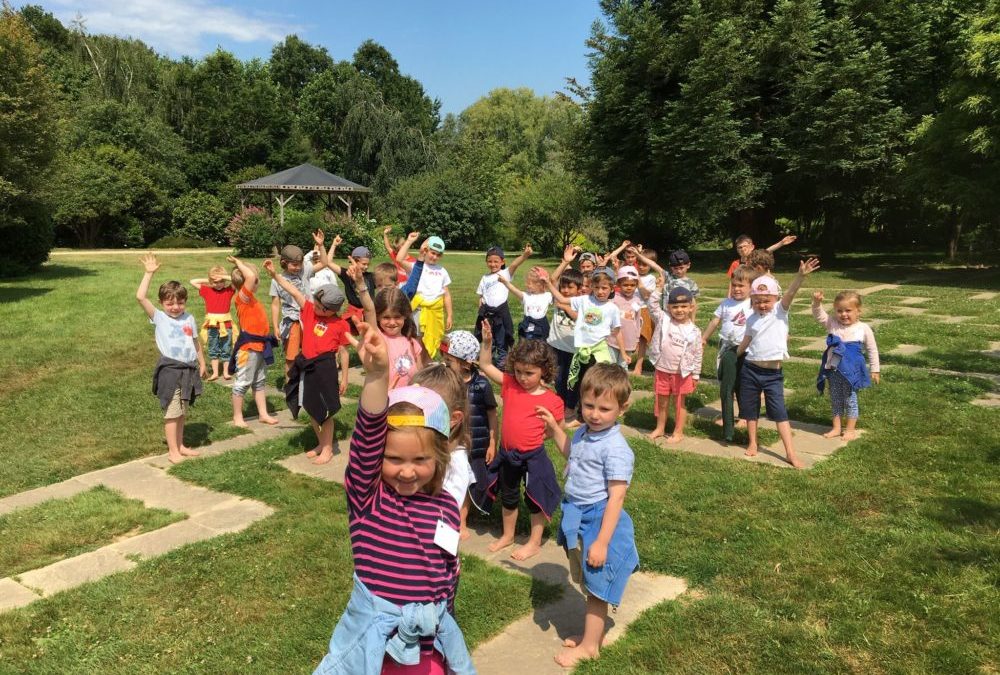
(564, 614)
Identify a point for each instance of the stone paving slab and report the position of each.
(72, 572)
(950, 319)
(983, 296)
(332, 471)
(910, 311)
(913, 300)
(233, 516)
(906, 350)
(814, 345)
(875, 289)
(988, 400)
(63, 490)
(164, 540)
(14, 595)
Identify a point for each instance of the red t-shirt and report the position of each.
(401, 274)
(321, 334)
(216, 302)
(521, 429)
(732, 267)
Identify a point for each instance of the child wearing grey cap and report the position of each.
(284, 309)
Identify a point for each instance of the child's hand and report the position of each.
(491, 453)
(808, 266)
(876, 378)
(597, 554)
(269, 266)
(788, 240)
(386, 230)
(546, 416)
(424, 248)
(638, 249)
(371, 348)
(487, 335)
(626, 358)
(626, 243)
(343, 386)
(319, 236)
(231, 259)
(570, 253)
(150, 263)
(338, 240)
(541, 273)
(818, 297)
(660, 283)
(354, 271)
(528, 250)
(203, 372)
(412, 237)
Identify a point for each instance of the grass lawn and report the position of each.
(883, 558)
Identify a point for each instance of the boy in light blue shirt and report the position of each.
(595, 528)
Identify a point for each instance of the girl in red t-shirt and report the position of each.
(522, 456)
(313, 376)
(217, 331)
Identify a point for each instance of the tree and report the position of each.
(379, 148)
(200, 215)
(323, 108)
(550, 211)
(28, 144)
(399, 91)
(294, 63)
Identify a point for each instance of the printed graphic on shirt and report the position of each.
(593, 316)
(403, 365)
(319, 330)
(740, 319)
(187, 330)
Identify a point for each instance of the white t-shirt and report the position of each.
(433, 281)
(594, 321)
(458, 476)
(648, 281)
(491, 290)
(536, 305)
(175, 337)
(732, 316)
(768, 335)
(317, 278)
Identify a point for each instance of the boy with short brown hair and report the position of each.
(254, 349)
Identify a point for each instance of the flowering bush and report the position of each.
(252, 233)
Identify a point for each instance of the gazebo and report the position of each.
(306, 179)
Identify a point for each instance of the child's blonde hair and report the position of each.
(441, 379)
(385, 272)
(237, 277)
(607, 377)
(745, 274)
(849, 296)
(429, 438)
(761, 257)
(216, 272)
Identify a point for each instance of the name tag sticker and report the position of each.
(446, 537)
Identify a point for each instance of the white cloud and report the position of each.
(176, 27)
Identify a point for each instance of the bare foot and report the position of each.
(526, 551)
(741, 424)
(751, 450)
(324, 457)
(832, 433)
(227, 376)
(795, 461)
(313, 452)
(175, 459)
(654, 434)
(241, 424)
(188, 452)
(464, 534)
(213, 376)
(268, 420)
(719, 422)
(572, 641)
(570, 656)
(675, 438)
(501, 543)
(850, 435)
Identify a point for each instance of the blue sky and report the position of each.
(459, 50)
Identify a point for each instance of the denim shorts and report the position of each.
(753, 381)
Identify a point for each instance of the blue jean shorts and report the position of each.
(753, 381)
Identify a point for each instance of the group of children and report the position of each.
(428, 444)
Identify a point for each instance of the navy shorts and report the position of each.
(753, 381)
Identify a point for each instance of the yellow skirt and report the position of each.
(431, 322)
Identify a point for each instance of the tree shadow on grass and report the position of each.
(59, 271)
(962, 512)
(16, 294)
(196, 434)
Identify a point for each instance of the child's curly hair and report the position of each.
(761, 257)
(533, 353)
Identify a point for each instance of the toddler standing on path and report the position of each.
(218, 331)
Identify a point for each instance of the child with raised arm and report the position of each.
(218, 329)
(403, 530)
(676, 353)
(493, 295)
(647, 281)
(254, 348)
(535, 301)
(596, 531)
(631, 306)
(765, 345)
(522, 457)
(432, 303)
(843, 364)
(312, 381)
(176, 379)
(676, 274)
(399, 254)
(561, 336)
(284, 308)
(744, 246)
(361, 256)
(731, 319)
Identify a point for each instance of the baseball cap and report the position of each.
(627, 272)
(765, 285)
(291, 253)
(361, 252)
(434, 413)
(436, 244)
(462, 345)
(588, 256)
(679, 257)
(330, 297)
(493, 250)
(678, 296)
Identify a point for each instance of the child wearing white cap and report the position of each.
(432, 303)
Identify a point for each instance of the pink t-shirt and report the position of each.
(631, 318)
(404, 359)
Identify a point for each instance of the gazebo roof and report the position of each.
(303, 178)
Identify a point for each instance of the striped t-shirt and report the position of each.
(392, 537)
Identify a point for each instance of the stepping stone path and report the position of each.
(989, 400)
(994, 350)
(528, 644)
(911, 311)
(913, 300)
(906, 350)
(983, 296)
(950, 319)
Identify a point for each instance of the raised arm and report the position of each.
(486, 355)
(613, 256)
(150, 264)
(784, 241)
(404, 250)
(806, 267)
(249, 275)
(652, 263)
(385, 241)
(817, 309)
(326, 257)
(198, 283)
(374, 354)
(296, 294)
(547, 280)
(361, 288)
(569, 255)
(518, 293)
(519, 260)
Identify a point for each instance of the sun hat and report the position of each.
(436, 244)
(361, 252)
(627, 272)
(765, 285)
(291, 253)
(679, 295)
(678, 257)
(463, 345)
(330, 297)
(434, 413)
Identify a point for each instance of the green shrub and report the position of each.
(359, 230)
(180, 241)
(252, 233)
(199, 215)
(299, 226)
(27, 235)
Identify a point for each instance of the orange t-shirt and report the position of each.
(732, 268)
(252, 317)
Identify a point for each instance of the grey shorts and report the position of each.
(251, 372)
(178, 407)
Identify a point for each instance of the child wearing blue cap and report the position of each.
(432, 303)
